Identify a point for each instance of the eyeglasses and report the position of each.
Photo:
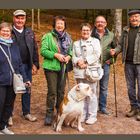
(85, 30)
(101, 22)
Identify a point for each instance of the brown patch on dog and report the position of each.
(65, 101)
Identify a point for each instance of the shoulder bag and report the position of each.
(18, 84)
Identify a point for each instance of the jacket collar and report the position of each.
(95, 32)
(127, 28)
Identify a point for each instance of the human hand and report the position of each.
(83, 66)
(34, 70)
(28, 84)
(107, 62)
(112, 52)
(67, 58)
(60, 57)
(80, 62)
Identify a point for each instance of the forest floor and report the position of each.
(104, 125)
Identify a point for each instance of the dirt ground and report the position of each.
(104, 125)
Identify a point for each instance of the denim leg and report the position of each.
(26, 97)
(104, 87)
(130, 75)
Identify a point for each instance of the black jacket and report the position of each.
(31, 44)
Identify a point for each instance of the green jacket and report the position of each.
(49, 48)
(107, 42)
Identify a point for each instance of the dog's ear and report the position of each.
(77, 88)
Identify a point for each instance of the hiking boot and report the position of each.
(10, 121)
(138, 116)
(132, 112)
(7, 131)
(30, 118)
(48, 120)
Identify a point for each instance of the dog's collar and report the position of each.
(75, 98)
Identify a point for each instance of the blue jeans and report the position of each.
(132, 74)
(104, 88)
(26, 97)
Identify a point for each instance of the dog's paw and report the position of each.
(73, 125)
(81, 129)
(58, 129)
(54, 126)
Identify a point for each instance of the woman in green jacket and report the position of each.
(56, 50)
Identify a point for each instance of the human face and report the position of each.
(85, 32)
(134, 20)
(100, 23)
(5, 33)
(19, 21)
(60, 25)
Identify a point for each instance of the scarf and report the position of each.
(6, 42)
(64, 41)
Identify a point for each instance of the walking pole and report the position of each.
(115, 86)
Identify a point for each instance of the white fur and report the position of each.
(73, 110)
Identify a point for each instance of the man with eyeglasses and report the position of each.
(106, 38)
(129, 45)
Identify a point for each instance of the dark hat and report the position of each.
(19, 12)
(131, 12)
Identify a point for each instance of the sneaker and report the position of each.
(91, 121)
(105, 112)
(132, 112)
(48, 121)
(1, 133)
(30, 118)
(10, 121)
(7, 131)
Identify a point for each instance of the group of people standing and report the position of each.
(95, 47)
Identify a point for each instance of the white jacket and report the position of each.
(89, 50)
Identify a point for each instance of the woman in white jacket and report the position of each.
(86, 52)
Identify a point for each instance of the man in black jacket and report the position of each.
(25, 39)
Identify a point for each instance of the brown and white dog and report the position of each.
(71, 108)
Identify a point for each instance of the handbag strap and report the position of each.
(10, 64)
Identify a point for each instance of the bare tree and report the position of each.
(38, 19)
(33, 19)
(118, 22)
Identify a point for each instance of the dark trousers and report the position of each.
(132, 75)
(7, 98)
(56, 82)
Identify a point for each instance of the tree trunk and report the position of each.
(38, 19)
(118, 23)
(32, 19)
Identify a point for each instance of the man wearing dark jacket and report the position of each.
(129, 45)
(25, 39)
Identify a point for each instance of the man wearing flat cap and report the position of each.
(129, 45)
(25, 39)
